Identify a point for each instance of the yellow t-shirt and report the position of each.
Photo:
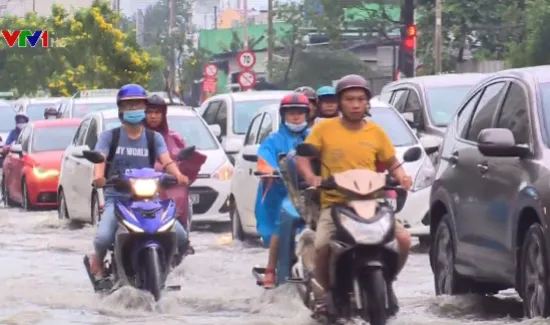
(342, 149)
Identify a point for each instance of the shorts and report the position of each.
(326, 229)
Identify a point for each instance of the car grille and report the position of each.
(207, 197)
(47, 197)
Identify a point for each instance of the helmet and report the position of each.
(353, 81)
(21, 116)
(308, 91)
(50, 111)
(155, 100)
(326, 91)
(130, 92)
(295, 101)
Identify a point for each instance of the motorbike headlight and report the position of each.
(425, 176)
(144, 188)
(167, 226)
(224, 173)
(131, 227)
(368, 233)
(42, 173)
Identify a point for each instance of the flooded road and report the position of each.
(43, 282)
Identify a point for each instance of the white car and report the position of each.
(209, 194)
(232, 113)
(82, 106)
(7, 121)
(244, 184)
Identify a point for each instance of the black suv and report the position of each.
(488, 204)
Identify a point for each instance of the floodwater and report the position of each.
(43, 282)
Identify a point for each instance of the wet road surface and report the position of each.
(43, 282)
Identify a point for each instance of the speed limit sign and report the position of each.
(246, 59)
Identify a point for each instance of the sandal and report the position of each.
(269, 282)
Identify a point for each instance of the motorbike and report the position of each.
(146, 246)
(364, 251)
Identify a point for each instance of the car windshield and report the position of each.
(443, 102)
(244, 111)
(35, 111)
(80, 110)
(545, 95)
(191, 128)
(7, 118)
(52, 138)
(398, 131)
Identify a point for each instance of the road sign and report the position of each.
(210, 70)
(247, 80)
(246, 59)
(209, 85)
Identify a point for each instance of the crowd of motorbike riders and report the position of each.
(332, 119)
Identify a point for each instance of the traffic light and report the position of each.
(407, 49)
(410, 38)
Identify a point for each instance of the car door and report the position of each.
(505, 176)
(470, 193)
(84, 173)
(76, 189)
(244, 167)
(68, 171)
(17, 163)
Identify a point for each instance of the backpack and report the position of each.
(150, 134)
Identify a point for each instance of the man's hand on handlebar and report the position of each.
(182, 179)
(406, 182)
(314, 181)
(99, 181)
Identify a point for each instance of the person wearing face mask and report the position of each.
(127, 147)
(21, 120)
(294, 112)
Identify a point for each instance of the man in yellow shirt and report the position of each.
(348, 142)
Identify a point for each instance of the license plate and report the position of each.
(194, 198)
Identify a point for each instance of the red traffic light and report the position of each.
(410, 43)
(411, 31)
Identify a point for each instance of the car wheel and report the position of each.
(424, 241)
(5, 194)
(446, 280)
(26, 204)
(534, 274)
(237, 232)
(95, 215)
(62, 212)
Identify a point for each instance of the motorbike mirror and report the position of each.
(186, 153)
(412, 154)
(307, 150)
(95, 157)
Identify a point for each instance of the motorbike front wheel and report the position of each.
(375, 298)
(153, 278)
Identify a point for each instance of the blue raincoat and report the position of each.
(271, 192)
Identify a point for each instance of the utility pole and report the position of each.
(215, 17)
(33, 5)
(437, 42)
(245, 26)
(172, 22)
(270, 39)
(117, 6)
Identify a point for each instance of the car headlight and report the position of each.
(42, 173)
(131, 227)
(167, 226)
(144, 188)
(224, 173)
(368, 233)
(425, 176)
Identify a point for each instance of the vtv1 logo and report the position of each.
(24, 36)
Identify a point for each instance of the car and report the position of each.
(232, 113)
(31, 170)
(489, 201)
(80, 107)
(244, 184)
(7, 121)
(34, 107)
(208, 194)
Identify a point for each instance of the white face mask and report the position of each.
(20, 126)
(296, 127)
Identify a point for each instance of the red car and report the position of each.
(31, 169)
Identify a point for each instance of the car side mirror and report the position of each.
(232, 146)
(412, 154)
(216, 130)
(186, 153)
(498, 142)
(431, 144)
(92, 156)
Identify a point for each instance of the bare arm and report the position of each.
(170, 166)
(303, 164)
(99, 170)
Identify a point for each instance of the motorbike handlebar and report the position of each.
(264, 175)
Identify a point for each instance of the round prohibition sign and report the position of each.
(211, 70)
(247, 79)
(246, 59)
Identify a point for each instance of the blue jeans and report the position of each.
(108, 226)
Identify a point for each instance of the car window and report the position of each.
(193, 131)
(465, 114)
(514, 114)
(400, 99)
(266, 128)
(82, 132)
(82, 109)
(7, 118)
(253, 130)
(210, 113)
(91, 135)
(413, 103)
(385, 96)
(244, 111)
(443, 102)
(52, 138)
(485, 110)
(36, 111)
(221, 118)
(398, 131)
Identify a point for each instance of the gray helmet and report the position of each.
(353, 81)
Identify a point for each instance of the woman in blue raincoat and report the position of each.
(294, 110)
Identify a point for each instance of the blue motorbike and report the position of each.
(146, 245)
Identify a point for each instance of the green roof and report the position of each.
(367, 11)
(218, 41)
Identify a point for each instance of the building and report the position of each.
(204, 14)
(42, 7)
(130, 7)
(232, 18)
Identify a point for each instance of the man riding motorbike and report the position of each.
(312, 97)
(345, 143)
(294, 111)
(130, 146)
(156, 120)
(327, 104)
(21, 120)
(51, 113)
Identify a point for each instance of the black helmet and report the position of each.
(353, 81)
(295, 101)
(155, 100)
(50, 111)
(309, 92)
